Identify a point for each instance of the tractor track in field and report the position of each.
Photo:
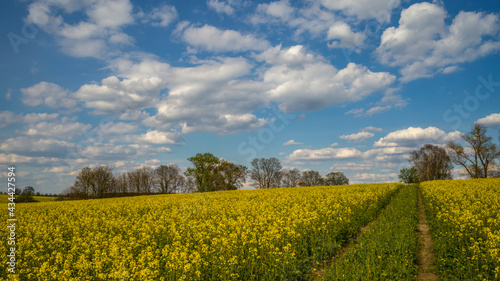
(425, 255)
(320, 272)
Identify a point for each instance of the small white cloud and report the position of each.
(161, 16)
(379, 10)
(119, 128)
(8, 95)
(49, 94)
(301, 155)
(334, 144)
(368, 177)
(62, 129)
(37, 147)
(388, 102)
(292, 142)
(213, 39)
(158, 137)
(221, 7)
(278, 9)
(344, 37)
(357, 137)
(371, 128)
(164, 150)
(351, 166)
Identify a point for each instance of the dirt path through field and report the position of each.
(425, 256)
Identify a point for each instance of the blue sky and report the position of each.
(328, 85)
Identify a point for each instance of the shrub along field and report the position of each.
(464, 216)
(4, 198)
(275, 234)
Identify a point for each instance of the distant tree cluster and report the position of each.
(268, 173)
(431, 162)
(100, 182)
(208, 173)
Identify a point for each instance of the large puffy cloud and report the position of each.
(139, 88)
(212, 97)
(219, 95)
(313, 18)
(211, 38)
(492, 120)
(48, 94)
(416, 136)
(294, 72)
(93, 37)
(423, 45)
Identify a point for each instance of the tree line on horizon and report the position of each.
(432, 162)
(208, 173)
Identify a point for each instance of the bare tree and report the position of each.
(83, 183)
(134, 181)
(311, 178)
(141, 180)
(291, 177)
(169, 178)
(480, 156)
(93, 182)
(266, 173)
(188, 185)
(103, 181)
(122, 185)
(432, 163)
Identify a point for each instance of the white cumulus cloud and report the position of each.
(424, 45)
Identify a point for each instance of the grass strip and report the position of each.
(389, 250)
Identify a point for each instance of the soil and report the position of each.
(425, 256)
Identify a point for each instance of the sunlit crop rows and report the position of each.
(464, 216)
(247, 235)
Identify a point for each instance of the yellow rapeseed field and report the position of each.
(464, 216)
(273, 234)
